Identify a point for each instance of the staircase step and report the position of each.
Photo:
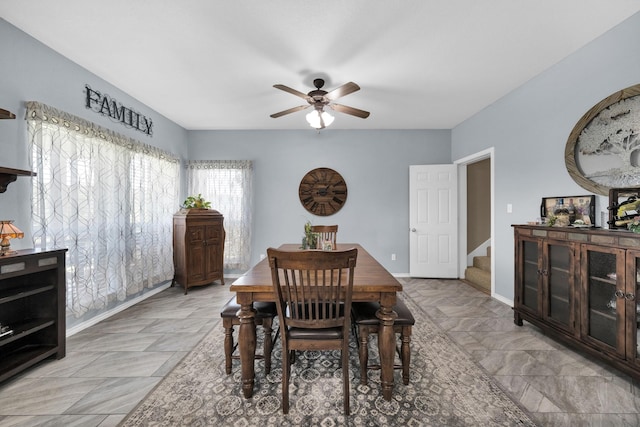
(480, 277)
(482, 262)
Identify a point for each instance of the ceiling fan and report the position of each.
(318, 99)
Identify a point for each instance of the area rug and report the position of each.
(446, 389)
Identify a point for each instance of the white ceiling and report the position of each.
(421, 64)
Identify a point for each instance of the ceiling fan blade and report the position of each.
(350, 110)
(289, 111)
(343, 90)
(292, 91)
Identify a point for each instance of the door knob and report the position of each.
(413, 230)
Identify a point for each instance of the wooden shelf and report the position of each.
(8, 175)
(23, 329)
(12, 294)
(24, 357)
(4, 114)
(608, 315)
(597, 279)
(32, 306)
(559, 298)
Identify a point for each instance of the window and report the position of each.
(106, 198)
(227, 184)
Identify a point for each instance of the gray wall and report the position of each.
(33, 72)
(375, 165)
(529, 129)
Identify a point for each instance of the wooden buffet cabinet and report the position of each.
(198, 247)
(32, 308)
(582, 286)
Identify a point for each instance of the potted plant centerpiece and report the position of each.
(196, 202)
(310, 239)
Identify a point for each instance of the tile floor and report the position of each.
(111, 366)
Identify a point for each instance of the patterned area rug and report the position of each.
(447, 389)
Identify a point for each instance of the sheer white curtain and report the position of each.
(228, 185)
(108, 199)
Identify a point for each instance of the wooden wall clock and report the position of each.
(322, 191)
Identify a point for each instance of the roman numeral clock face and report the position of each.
(323, 191)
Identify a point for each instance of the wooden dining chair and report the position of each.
(366, 322)
(313, 298)
(326, 233)
(265, 313)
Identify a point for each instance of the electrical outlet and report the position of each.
(393, 257)
(509, 208)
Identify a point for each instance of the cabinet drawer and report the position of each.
(21, 266)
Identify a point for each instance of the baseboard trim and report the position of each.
(502, 299)
(94, 320)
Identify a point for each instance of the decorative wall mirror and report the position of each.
(603, 149)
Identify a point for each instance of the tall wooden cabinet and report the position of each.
(32, 309)
(198, 247)
(582, 286)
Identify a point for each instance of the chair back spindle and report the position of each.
(314, 287)
(326, 233)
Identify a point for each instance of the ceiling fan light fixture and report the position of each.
(319, 119)
(318, 99)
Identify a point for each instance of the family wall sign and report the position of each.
(108, 106)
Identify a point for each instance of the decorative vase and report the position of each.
(310, 241)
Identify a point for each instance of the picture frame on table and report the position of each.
(585, 208)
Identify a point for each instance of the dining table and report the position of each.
(371, 282)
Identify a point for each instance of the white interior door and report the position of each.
(433, 221)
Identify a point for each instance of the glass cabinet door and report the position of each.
(603, 303)
(558, 273)
(633, 306)
(530, 271)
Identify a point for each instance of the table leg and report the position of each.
(386, 347)
(247, 344)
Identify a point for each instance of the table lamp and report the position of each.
(8, 231)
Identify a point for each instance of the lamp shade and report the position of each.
(319, 119)
(8, 231)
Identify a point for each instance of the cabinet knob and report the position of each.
(629, 297)
(619, 294)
